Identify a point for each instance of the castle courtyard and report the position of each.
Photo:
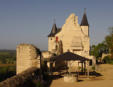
(106, 80)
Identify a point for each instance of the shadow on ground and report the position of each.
(94, 73)
(51, 78)
(54, 77)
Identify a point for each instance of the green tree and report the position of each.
(97, 50)
(109, 41)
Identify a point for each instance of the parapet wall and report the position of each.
(20, 79)
(27, 57)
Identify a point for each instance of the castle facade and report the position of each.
(72, 37)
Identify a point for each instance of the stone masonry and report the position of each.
(27, 57)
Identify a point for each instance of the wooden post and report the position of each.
(85, 67)
(66, 66)
(88, 69)
(77, 76)
(51, 67)
(82, 67)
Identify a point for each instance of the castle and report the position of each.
(72, 45)
(72, 37)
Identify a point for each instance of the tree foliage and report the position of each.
(109, 41)
(104, 47)
(97, 50)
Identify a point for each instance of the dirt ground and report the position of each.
(106, 80)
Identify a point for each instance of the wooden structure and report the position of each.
(68, 56)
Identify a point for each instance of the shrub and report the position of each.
(93, 68)
(108, 60)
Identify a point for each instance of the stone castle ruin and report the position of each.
(72, 37)
(69, 45)
(27, 57)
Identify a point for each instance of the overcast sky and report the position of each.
(30, 21)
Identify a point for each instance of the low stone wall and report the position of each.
(20, 79)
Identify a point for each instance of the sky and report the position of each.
(30, 21)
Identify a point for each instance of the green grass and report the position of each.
(7, 57)
(7, 64)
(4, 53)
(7, 71)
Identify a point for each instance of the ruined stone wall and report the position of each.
(74, 37)
(27, 57)
(21, 79)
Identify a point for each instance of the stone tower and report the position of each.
(27, 57)
(51, 38)
(84, 24)
(85, 28)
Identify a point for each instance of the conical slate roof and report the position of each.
(53, 31)
(84, 21)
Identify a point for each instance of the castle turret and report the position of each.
(53, 31)
(85, 28)
(84, 24)
(51, 38)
